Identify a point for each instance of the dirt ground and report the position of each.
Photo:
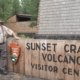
(18, 76)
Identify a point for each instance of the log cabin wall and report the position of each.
(20, 26)
(12, 19)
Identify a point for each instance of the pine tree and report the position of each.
(5, 9)
(31, 7)
(16, 8)
(24, 6)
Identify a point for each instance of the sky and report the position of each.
(20, 0)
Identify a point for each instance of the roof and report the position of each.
(23, 15)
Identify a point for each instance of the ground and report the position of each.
(18, 76)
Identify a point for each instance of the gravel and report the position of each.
(18, 76)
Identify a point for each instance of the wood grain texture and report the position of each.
(22, 56)
(35, 58)
(42, 60)
(9, 62)
(43, 72)
(77, 67)
(50, 73)
(28, 59)
(22, 27)
(17, 65)
(60, 65)
(69, 65)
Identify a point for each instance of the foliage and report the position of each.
(16, 8)
(30, 37)
(33, 23)
(11, 7)
(16, 34)
(22, 36)
(8, 8)
(31, 7)
(5, 9)
(24, 6)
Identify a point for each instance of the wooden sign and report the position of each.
(13, 51)
(49, 59)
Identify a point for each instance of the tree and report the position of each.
(5, 9)
(31, 7)
(24, 6)
(16, 8)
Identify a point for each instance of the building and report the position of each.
(59, 18)
(20, 23)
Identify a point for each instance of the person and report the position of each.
(4, 31)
